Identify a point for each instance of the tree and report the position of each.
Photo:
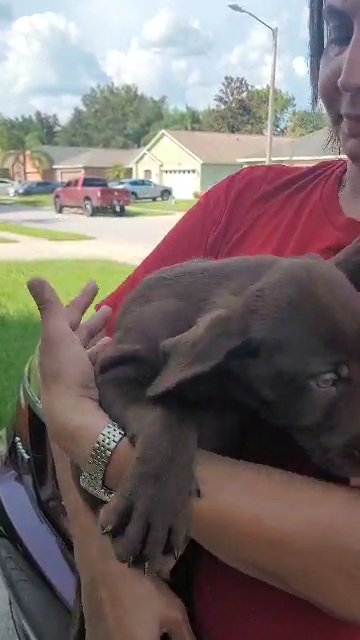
(45, 126)
(118, 172)
(16, 141)
(176, 119)
(303, 122)
(185, 120)
(112, 116)
(242, 108)
(233, 112)
(284, 105)
(208, 119)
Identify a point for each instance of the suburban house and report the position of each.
(90, 162)
(188, 161)
(65, 163)
(193, 161)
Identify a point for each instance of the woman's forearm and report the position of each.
(105, 607)
(295, 533)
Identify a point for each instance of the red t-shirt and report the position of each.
(283, 211)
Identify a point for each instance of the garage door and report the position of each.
(183, 183)
(63, 175)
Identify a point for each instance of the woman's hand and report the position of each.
(118, 602)
(68, 351)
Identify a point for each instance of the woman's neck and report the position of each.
(349, 195)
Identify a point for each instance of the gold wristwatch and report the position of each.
(92, 476)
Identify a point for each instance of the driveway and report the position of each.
(141, 230)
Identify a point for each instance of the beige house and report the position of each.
(193, 161)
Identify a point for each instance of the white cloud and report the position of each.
(167, 58)
(43, 58)
(154, 73)
(167, 31)
(174, 47)
(253, 58)
(300, 66)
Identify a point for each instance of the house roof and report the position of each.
(314, 145)
(89, 157)
(227, 148)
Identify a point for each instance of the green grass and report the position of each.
(31, 201)
(19, 323)
(6, 240)
(45, 234)
(144, 208)
(159, 208)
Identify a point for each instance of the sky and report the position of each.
(54, 51)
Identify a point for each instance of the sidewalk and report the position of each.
(28, 248)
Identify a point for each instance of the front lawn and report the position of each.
(19, 321)
(45, 234)
(159, 207)
(30, 201)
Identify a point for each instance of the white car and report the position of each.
(6, 187)
(144, 189)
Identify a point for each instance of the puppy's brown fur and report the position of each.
(211, 354)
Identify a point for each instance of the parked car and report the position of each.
(35, 551)
(6, 186)
(39, 187)
(91, 194)
(145, 189)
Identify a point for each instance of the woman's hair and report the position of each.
(316, 44)
(316, 50)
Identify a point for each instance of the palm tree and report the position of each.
(118, 172)
(15, 146)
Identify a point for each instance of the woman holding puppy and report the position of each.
(282, 559)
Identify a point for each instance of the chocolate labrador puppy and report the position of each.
(208, 354)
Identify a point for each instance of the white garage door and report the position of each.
(183, 183)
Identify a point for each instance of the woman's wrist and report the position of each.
(78, 431)
(86, 425)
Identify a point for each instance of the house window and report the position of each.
(148, 174)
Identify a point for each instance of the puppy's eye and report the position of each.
(326, 380)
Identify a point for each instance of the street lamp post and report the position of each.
(271, 108)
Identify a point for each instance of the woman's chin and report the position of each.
(350, 146)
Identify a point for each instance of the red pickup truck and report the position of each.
(91, 194)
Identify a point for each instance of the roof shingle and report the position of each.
(89, 157)
(228, 148)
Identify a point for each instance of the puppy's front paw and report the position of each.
(148, 520)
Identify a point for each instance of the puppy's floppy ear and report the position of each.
(117, 356)
(348, 261)
(108, 377)
(201, 349)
